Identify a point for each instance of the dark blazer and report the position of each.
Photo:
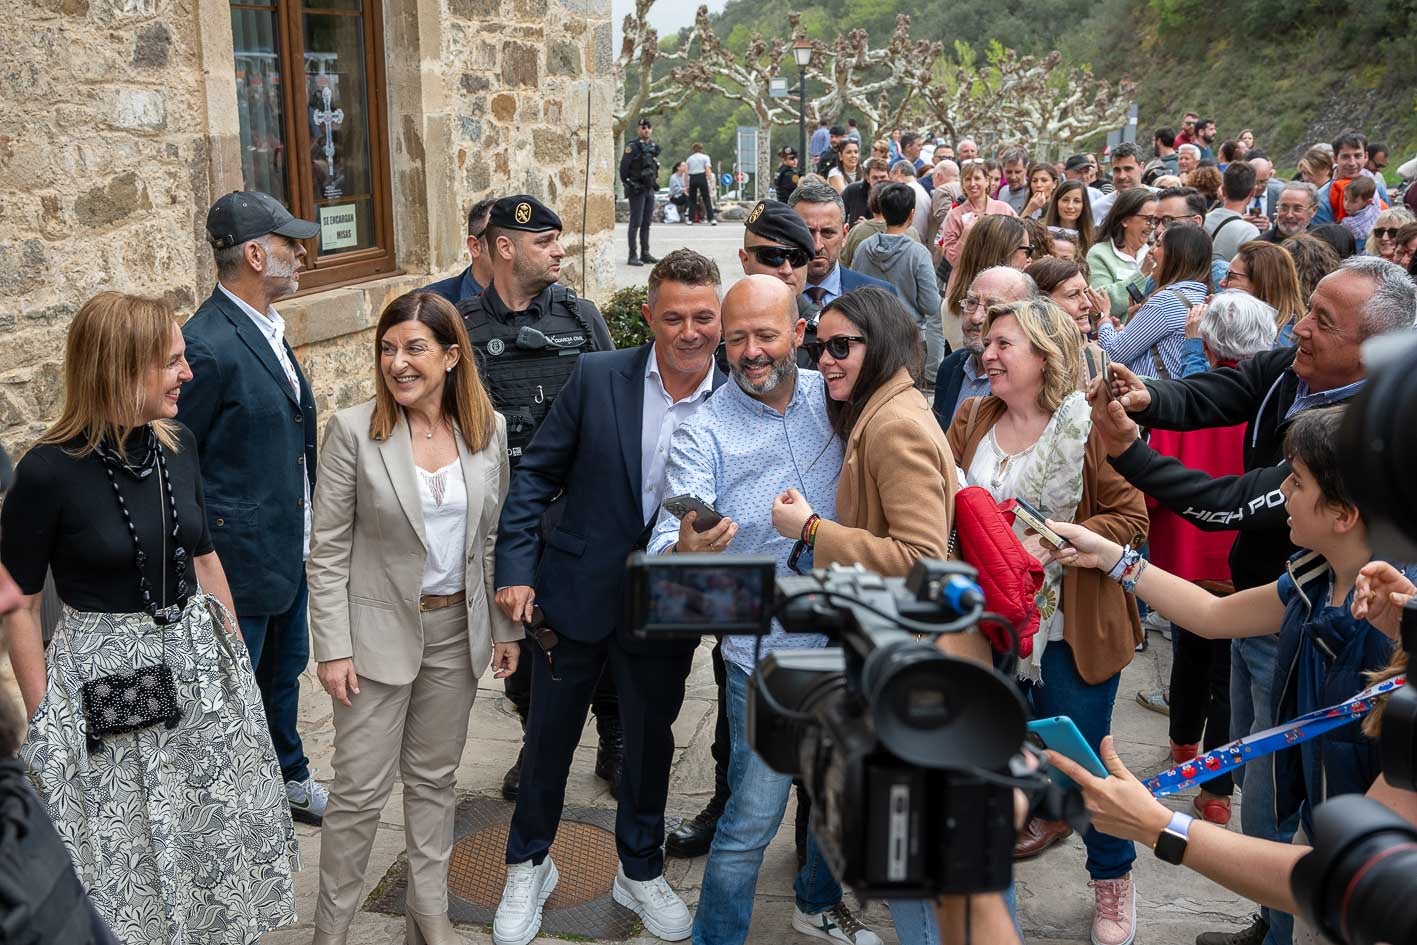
(587, 448)
(456, 288)
(851, 279)
(948, 380)
(256, 442)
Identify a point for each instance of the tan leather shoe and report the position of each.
(1038, 835)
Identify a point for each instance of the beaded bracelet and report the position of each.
(809, 529)
(1129, 582)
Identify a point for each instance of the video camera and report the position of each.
(1357, 884)
(904, 750)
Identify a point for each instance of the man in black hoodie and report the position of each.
(1367, 296)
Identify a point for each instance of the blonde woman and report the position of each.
(401, 616)
(147, 740)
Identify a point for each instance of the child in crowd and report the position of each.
(1360, 208)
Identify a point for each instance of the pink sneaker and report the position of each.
(1114, 919)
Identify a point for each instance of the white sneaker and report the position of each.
(307, 800)
(837, 924)
(523, 897)
(659, 907)
(1156, 623)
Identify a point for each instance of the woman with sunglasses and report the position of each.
(410, 487)
(1382, 241)
(1120, 258)
(1068, 209)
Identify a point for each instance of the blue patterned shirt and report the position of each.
(738, 455)
(1305, 399)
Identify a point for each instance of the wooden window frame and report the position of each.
(358, 265)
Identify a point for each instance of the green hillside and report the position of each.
(1294, 71)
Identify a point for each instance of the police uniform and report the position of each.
(639, 172)
(525, 358)
(787, 176)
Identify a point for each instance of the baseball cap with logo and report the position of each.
(244, 215)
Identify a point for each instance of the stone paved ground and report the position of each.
(1055, 902)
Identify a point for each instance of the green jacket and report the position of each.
(1111, 273)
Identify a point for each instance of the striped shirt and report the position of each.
(1159, 324)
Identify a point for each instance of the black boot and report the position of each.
(610, 754)
(694, 837)
(634, 261)
(645, 257)
(1254, 934)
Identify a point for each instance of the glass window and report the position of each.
(319, 59)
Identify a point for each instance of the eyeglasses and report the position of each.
(1389, 232)
(1164, 221)
(1026, 249)
(775, 256)
(1149, 218)
(838, 346)
(970, 304)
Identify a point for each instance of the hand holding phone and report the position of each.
(1034, 520)
(705, 516)
(1135, 293)
(1060, 734)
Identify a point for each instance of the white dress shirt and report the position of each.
(661, 415)
(272, 328)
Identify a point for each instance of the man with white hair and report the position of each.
(943, 196)
(966, 150)
(1188, 158)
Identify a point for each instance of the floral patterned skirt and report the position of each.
(182, 835)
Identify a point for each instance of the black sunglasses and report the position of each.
(1389, 231)
(775, 256)
(838, 347)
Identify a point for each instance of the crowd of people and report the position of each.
(1156, 363)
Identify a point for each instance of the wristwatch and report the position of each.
(1171, 845)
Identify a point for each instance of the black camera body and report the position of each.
(904, 750)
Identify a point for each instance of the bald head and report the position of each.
(759, 294)
(761, 333)
(996, 285)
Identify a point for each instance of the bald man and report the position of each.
(764, 432)
(961, 376)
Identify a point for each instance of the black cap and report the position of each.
(523, 212)
(646, 123)
(776, 221)
(249, 214)
(837, 130)
(1077, 162)
(788, 151)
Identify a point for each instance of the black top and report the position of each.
(62, 514)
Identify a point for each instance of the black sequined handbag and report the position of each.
(127, 702)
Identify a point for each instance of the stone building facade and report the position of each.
(119, 124)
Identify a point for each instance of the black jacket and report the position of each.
(1259, 393)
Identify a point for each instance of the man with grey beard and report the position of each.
(752, 441)
(961, 375)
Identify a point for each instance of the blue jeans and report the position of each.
(1252, 710)
(755, 809)
(279, 646)
(915, 922)
(1090, 707)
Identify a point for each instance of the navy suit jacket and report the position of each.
(455, 288)
(256, 442)
(587, 451)
(851, 279)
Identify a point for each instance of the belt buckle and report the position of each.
(424, 603)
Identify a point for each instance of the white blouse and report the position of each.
(444, 497)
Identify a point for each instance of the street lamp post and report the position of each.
(802, 52)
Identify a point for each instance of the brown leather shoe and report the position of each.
(1038, 835)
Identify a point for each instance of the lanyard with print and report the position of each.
(1244, 750)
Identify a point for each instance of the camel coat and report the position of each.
(895, 497)
(1100, 620)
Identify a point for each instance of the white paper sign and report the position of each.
(339, 227)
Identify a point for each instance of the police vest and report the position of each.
(524, 378)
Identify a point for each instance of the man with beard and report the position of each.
(604, 448)
(1293, 211)
(1205, 138)
(253, 416)
(524, 329)
(961, 375)
(766, 432)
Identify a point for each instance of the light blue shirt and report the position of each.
(738, 455)
(976, 382)
(831, 282)
(1304, 399)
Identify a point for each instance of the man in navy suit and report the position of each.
(604, 446)
(822, 209)
(469, 283)
(253, 416)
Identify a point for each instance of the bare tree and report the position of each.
(640, 49)
(880, 84)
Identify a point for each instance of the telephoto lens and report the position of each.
(1357, 885)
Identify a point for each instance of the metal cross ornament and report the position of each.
(330, 119)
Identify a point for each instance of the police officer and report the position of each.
(777, 243)
(639, 172)
(526, 332)
(787, 174)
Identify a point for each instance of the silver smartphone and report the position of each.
(1033, 518)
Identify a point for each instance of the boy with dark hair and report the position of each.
(898, 259)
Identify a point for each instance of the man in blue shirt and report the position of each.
(755, 438)
(821, 140)
(469, 283)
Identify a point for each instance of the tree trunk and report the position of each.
(763, 176)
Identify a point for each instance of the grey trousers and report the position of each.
(418, 730)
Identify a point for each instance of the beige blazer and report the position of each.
(367, 549)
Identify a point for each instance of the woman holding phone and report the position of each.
(1120, 258)
(410, 487)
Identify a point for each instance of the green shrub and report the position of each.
(622, 316)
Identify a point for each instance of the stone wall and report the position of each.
(120, 127)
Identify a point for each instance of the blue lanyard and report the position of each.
(1243, 750)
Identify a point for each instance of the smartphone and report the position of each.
(1135, 293)
(681, 505)
(1033, 518)
(1061, 735)
(1100, 365)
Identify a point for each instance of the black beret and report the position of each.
(646, 123)
(776, 221)
(523, 212)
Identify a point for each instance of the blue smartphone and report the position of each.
(1061, 735)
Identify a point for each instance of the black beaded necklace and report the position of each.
(172, 612)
